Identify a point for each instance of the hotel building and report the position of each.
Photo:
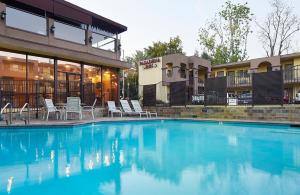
(157, 75)
(54, 49)
(239, 74)
(163, 72)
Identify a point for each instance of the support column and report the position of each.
(27, 88)
(82, 82)
(55, 80)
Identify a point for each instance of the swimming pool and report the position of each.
(151, 157)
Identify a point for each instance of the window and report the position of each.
(12, 66)
(220, 73)
(110, 84)
(169, 69)
(40, 68)
(103, 42)
(243, 73)
(26, 21)
(182, 70)
(69, 75)
(231, 73)
(69, 33)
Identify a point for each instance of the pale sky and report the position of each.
(158, 20)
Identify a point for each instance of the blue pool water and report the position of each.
(151, 158)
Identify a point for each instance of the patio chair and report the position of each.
(137, 108)
(90, 109)
(127, 109)
(50, 108)
(73, 106)
(113, 109)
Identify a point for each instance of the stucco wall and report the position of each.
(152, 75)
(297, 61)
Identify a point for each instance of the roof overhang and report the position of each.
(64, 9)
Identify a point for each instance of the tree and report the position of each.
(224, 39)
(164, 48)
(277, 31)
(131, 80)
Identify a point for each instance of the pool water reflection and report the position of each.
(158, 157)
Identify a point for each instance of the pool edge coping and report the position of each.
(82, 123)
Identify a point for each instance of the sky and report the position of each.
(158, 20)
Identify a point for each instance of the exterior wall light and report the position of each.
(3, 15)
(90, 39)
(52, 29)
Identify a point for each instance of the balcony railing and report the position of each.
(239, 81)
(292, 75)
(289, 76)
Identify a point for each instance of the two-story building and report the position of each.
(164, 71)
(239, 74)
(55, 49)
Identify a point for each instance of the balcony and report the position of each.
(60, 37)
(291, 75)
(239, 81)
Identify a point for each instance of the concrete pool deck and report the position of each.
(58, 123)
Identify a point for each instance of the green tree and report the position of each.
(224, 39)
(164, 48)
(131, 80)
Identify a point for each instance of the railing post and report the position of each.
(37, 99)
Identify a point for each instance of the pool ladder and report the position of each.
(27, 118)
(9, 120)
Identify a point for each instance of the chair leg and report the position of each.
(47, 116)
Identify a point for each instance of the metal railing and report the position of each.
(20, 92)
(239, 81)
(27, 119)
(291, 75)
(9, 120)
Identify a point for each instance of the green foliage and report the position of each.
(164, 48)
(224, 39)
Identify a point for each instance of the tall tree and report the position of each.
(164, 48)
(277, 31)
(224, 39)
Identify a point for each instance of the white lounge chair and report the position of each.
(137, 108)
(127, 109)
(90, 109)
(73, 106)
(113, 109)
(50, 108)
